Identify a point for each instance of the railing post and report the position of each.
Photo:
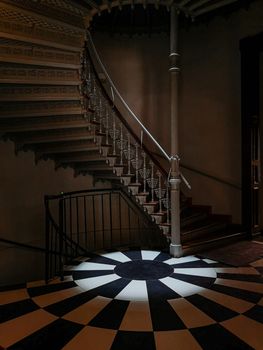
(60, 233)
(47, 231)
(175, 246)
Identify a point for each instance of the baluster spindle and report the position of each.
(152, 181)
(100, 114)
(121, 144)
(107, 126)
(166, 202)
(144, 172)
(160, 192)
(136, 163)
(129, 153)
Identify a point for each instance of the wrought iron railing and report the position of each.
(128, 147)
(78, 223)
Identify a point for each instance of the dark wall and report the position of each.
(210, 120)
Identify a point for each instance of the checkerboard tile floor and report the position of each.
(138, 300)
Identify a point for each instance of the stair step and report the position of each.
(40, 56)
(126, 179)
(118, 170)
(229, 234)
(141, 197)
(166, 228)
(44, 76)
(11, 93)
(85, 165)
(38, 109)
(49, 136)
(150, 207)
(65, 147)
(134, 188)
(111, 160)
(158, 217)
(16, 125)
(203, 230)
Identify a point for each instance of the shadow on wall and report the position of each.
(23, 186)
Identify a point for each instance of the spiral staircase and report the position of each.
(54, 103)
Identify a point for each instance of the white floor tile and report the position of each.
(149, 254)
(182, 288)
(183, 260)
(135, 290)
(94, 282)
(200, 271)
(209, 261)
(118, 256)
(90, 266)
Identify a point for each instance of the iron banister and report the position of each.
(113, 88)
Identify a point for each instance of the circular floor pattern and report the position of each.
(143, 275)
(137, 300)
(143, 270)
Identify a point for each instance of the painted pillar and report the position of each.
(175, 246)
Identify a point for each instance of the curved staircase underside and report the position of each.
(46, 108)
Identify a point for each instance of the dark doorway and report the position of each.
(251, 97)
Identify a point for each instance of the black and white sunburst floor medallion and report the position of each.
(138, 300)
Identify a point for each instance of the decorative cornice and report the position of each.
(40, 36)
(26, 12)
(38, 93)
(30, 55)
(40, 108)
(38, 76)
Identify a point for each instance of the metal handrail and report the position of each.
(113, 88)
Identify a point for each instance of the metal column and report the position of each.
(175, 246)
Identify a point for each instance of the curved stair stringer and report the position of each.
(54, 103)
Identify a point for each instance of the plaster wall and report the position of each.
(23, 186)
(261, 143)
(210, 116)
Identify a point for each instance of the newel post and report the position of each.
(175, 246)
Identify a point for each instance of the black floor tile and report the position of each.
(52, 337)
(110, 290)
(201, 281)
(190, 264)
(125, 340)
(216, 337)
(78, 275)
(162, 257)
(12, 287)
(64, 306)
(143, 270)
(50, 288)
(111, 316)
(104, 260)
(133, 255)
(164, 317)
(216, 311)
(240, 277)
(256, 313)
(19, 308)
(159, 291)
(252, 297)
